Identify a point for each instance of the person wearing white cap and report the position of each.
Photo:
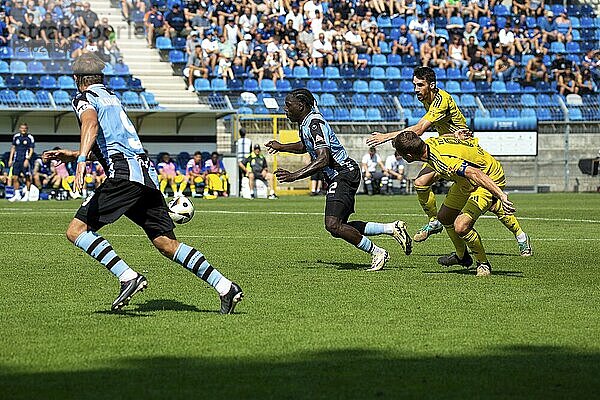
(245, 49)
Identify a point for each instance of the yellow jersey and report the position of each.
(449, 157)
(444, 114)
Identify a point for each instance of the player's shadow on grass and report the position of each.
(342, 266)
(489, 254)
(527, 372)
(149, 306)
(512, 274)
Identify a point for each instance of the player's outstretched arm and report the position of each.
(63, 155)
(481, 179)
(273, 146)
(316, 165)
(89, 132)
(378, 138)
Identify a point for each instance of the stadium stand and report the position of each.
(36, 54)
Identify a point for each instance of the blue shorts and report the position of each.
(18, 168)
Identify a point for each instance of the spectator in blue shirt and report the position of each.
(176, 23)
(155, 24)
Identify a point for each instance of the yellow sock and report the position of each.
(509, 221)
(163, 185)
(458, 243)
(473, 240)
(174, 187)
(183, 186)
(427, 201)
(66, 184)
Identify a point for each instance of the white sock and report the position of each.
(388, 229)
(376, 249)
(522, 237)
(223, 286)
(128, 275)
(435, 223)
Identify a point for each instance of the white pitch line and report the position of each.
(288, 237)
(398, 215)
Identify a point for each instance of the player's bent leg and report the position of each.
(427, 201)
(464, 228)
(512, 224)
(396, 229)
(195, 262)
(460, 256)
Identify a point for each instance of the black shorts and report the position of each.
(317, 176)
(18, 168)
(143, 205)
(339, 201)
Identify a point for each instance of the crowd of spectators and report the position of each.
(261, 37)
(62, 27)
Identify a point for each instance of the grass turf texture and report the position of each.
(313, 323)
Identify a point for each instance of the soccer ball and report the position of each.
(181, 210)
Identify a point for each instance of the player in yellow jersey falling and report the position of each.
(446, 118)
(478, 182)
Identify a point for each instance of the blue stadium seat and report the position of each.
(134, 84)
(375, 100)
(359, 100)
(573, 47)
(498, 87)
(468, 100)
(26, 98)
(501, 10)
(407, 100)
(483, 86)
(398, 21)
(345, 86)
(297, 83)
(362, 72)
(407, 73)
(528, 100)
(117, 83)
(4, 68)
(501, 22)
(467, 87)
(240, 72)
(283, 85)
(218, 84)
(441, 85)
(61, 98)
(314, 85)
(384, 21)
(131, 99)
(357, 114)
(379, 60)
(573, 10)
(373, 114)
(543, 114)
(512, 113)
(528, 113)
(300, 72)
(454, 74)
(513, 87)
(377, 73)
(394, 60)
(8, 98)
(442, 32)
(48, 82)
(18, 67)
(456, 20)
(575, 114)
(392, 86)
(327, 113)
(31, 82)
(575, 24)
(66, 82)
(360, 86)
(315, 72)
(392, 73)
(251, 85)
(179, 43)
(23, 53)
(557, 47)
(409, 60)
(544, 100)
(376, 87)
(108, 69)
(203, 85)
(163, 43)
(13, 82)
(440, 73)
(332, 72)
(496, 113)
(406, 87)
(175, 57)
(440, 22)
(452, 87)
(245, 110)
(384, 47)
(42, 98)
(6, 53)
(123, 69)
(329, 86)
(328, 100)
(40, 53)
(530, 22)
(341, 114)
(35, 67)
(2, 82)
(346, 71)
(149, 98)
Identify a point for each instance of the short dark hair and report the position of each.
(304, 96)
(408, 142)
(197, 153)
(426, 73)
(214, 153)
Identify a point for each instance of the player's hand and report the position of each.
(79, 175)
(377, 138)
(463, 134)
(273, 146)
(507, 205)
(284, 176)
(60, 155)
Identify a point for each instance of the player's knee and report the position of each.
(462, 226)
(166, 244)
(423, 181)
(333, 226)
(75, 229)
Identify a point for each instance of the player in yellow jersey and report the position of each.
(478, 182)
(446, 118)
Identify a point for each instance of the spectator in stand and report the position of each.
(302, 57)
(344, 8)
(226, 48)
(210, 49)
(535, 70)
(154, 22)
(471, 29)
(471, 48)
(257, 65)
(176, 24)
(36, 11)
(275, 65)
(395, 169)
(215, 176)
(226, 9)
(355, 46)
(479, 69)
(41, 173)
(458, 53)
(194, 174)
(16, 16)
(522, 43)
(190, 45)
(536, 8)
(291, 35)
(378, 6)
(452, 7)
(255, 167)
(536, 40)
(479, 8)
(404, 44)
(435, 8)
(427, 52)
(296, 17)
(519, 7)
(232, 32)
(566, 83)
(560, 65)
(550, 29)
(322, 50)
(591, 61)
(316, 24)
(585, 83)
(504, 68)
(506, 37)
(310, 8)
(420, 28)
(199, 20)
(374, 36)
(340, 44)
(49, 32)
(306, 36)
(245, 49)
(564, 26)
(5, 29)
(104, 31)
(195, 67)
(440, 55)
(29, 33)
(372, 178)
(19, 160)
(248, 19)
(169, 175)
(89, 19)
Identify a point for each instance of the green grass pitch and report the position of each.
(313, 324)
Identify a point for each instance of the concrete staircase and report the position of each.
(144, 63)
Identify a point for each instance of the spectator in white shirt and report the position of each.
(210, 49)
(296, 18)
(506, 38)
(310, 7)
(248, 19)
(372, 177)
(420, 27)
(322, 50)
(245, 49)
(395, 169)
(316, 24)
